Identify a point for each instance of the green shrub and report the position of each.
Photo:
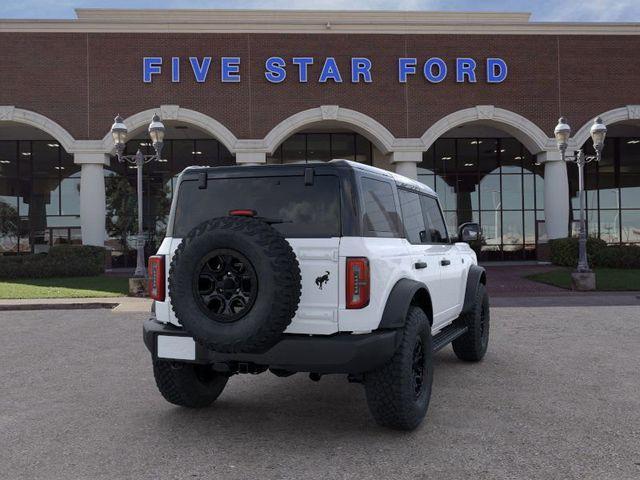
(61, 261)
(618, 256)
(564, 251)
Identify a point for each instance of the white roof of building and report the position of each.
(311, 21)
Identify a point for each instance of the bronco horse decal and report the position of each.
(320, 281)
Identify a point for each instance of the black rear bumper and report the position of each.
(338, 353)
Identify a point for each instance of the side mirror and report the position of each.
(469, 232)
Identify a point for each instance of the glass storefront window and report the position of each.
(490, 198)
(512, 230)
(8, 159)
(630, 223)
(445, 156)
(511, 155)
(364, 150)
(70, 196)
(488, 155)
(306, 147)
(512, 192)
(612, 188)
(610, 226)
(318, 147)
(467, 197)
(39, 192)
(294, 149)
(530, 228)
(466, 157)
(493, 181)
(343, 145)
(529, 191)
(630, 195)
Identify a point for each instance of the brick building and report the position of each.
(465, 102)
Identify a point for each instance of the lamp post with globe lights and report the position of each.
(562, 133)
(119, 133)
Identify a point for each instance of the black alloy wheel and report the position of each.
(225, 285)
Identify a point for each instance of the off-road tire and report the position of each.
(188, 385)
(390, 390)
(472, 346)
(277, 275)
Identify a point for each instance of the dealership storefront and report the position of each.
(465, 103)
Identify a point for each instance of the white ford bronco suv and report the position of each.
(322, 268)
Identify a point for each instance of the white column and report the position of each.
(251, 158)
(556, 194)
(92, 197)
(406, 163)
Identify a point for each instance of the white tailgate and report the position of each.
(317, 311)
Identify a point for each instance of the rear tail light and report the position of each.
(242, 213)
(358, 282)
(156, 277)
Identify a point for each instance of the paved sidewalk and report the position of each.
(118, 304)
(509, 281)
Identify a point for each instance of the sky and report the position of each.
(542, 10)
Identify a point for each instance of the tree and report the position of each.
(9, 221)
(122, 209)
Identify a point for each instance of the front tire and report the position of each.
(472, 346)
(398, 394)
(188, 385)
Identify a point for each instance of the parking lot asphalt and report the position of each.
(558, 396)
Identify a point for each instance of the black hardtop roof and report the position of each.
(339, 167)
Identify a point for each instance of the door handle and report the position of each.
(419, 265)
(445, 262)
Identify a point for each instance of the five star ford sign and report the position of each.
(361, 69)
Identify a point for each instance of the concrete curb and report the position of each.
(56, 306)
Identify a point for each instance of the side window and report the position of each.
(380, 214)
(437, 231)
(412, 217)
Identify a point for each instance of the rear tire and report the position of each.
(472, 346)
(398, 394)
(188, 385)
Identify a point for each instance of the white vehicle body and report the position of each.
(322, 308)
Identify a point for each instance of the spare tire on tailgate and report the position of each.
(235, 284)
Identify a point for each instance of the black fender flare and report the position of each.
(475, 277)
(399, 300)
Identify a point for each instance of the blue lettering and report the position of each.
(406, 66)
(230, 69)
(200, 71)
(275, 69)
(175, 69)
(330, 71)
(465, 67)
(428, 70)
(360, 67)
(496, 70)
(303, 66)
(151, 66)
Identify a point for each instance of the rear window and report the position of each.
(305, 210)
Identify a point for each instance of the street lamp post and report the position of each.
(156, 132)
(562, 133)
